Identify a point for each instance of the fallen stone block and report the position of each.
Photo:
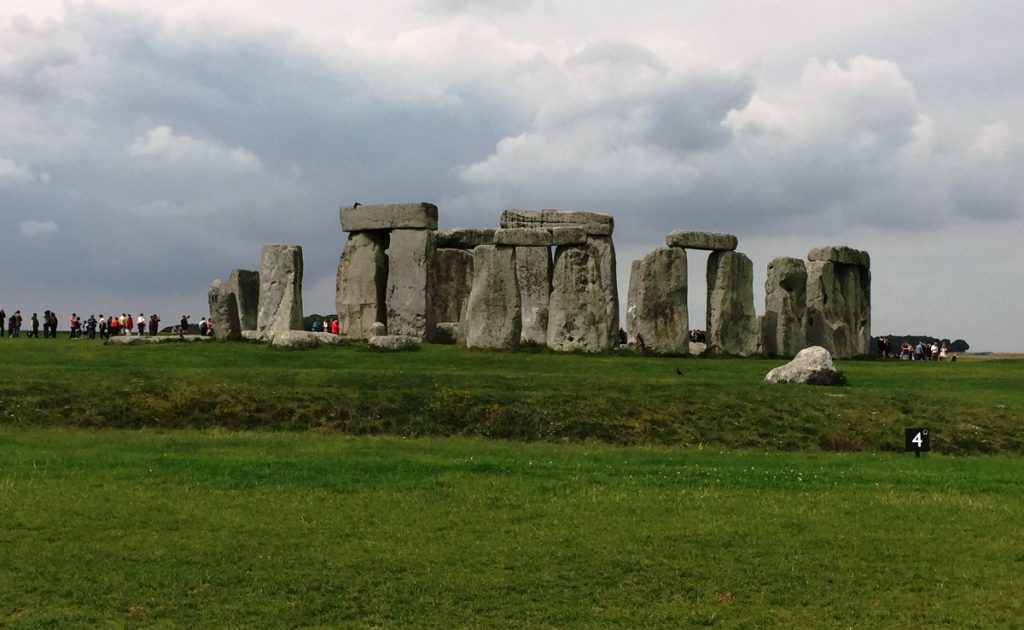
(393, 343)
(408, 216)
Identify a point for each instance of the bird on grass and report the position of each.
(679, 372)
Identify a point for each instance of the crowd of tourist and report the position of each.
(921, 351)
(92, 327)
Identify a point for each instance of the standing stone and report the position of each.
(784, 325)
(657, 317)
(578, 311)
(533, 271)
(839, 307)
(245, 285)
(361, 284)
(280, 289)
(604, 250)
(731, 320)
(412, 259)
(453, 284)
(224, 311)
(493, 315)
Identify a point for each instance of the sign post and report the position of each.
(917, 440)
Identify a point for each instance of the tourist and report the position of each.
(316, 326)
(52, 319)
(183, 327)
(202, 327)
(90, 326)
(17, 323)
(942, 352)
(919, 351)
(142, 324)
(35, 326)
(154, 325)
(129, 323)
(12, 327)
(73, 324)
(113, 327)
(934, 354)
(209, 326)
(3, 320)
(335, 327)
(102, 324)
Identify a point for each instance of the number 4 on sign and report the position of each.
(917, 440)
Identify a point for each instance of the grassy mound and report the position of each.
(971, 407)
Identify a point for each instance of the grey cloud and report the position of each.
(448, 7)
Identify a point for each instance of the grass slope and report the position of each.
(221, 529)
(971, 407)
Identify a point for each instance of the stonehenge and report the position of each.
(839, 300)
(784, 323)
(280, 305)
(548, 278)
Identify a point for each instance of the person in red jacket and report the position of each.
(335, 327)
(113, 327)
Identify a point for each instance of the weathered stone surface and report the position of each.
(465, 238)
(657, 317)
(245, 285)
(280, 289)
(295, 339)
(580, 309)
(784, 324)
(811, 366)
(731, 320)
(839, 308)
(412, 270)
(136, 340)
(361, 284)
(379, 329)
(840, 254)
(224, 311)
(394, 342)
(540, 237)
(394, 216)
(253, 335)
(493, 317)
(595, 223)
(714, 241)
(453, 284)
(533, 272)
(446, 333)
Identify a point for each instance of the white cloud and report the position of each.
(32, 228)
(164, 147)
(12, 173)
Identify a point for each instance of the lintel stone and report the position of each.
(841, 254)
(593, 223)
(403, 216)
(540, 237)
(713, 241)
(464, 238)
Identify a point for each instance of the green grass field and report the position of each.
(213, 485)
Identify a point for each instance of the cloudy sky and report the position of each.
(147, 148)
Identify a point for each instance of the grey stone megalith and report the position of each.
(657, 316)
(578, 309)
(361, 284)
(784, 323)
(453, 284)
(224, 311)
(839, 300)
(533, 271)
(280, 306)
(412, 260)
(494, 313)
(731, 320)
(245, 284)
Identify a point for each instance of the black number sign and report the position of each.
(917, 440)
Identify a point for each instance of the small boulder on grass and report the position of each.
(811, 366)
